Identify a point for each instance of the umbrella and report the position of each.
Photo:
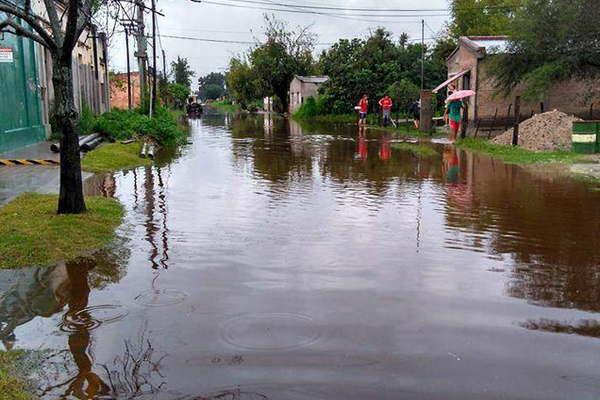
(459, 95)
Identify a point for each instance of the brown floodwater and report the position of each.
(267, 260)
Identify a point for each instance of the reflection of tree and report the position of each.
(584, 327)
(44, 291)
(136, 371)
(274, 153)
(550, 229)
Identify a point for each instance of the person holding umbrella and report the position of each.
(454, 111)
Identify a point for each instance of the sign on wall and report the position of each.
(6, 55)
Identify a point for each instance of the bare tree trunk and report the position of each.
(71, 199)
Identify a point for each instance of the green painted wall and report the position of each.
(20, 103)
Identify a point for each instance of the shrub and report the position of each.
(163, 127)
(86, 121)
(120, 124)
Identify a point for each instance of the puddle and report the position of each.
(272, 260)
(277, 332)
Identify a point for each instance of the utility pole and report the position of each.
(128, 69)
(422, 54)
(164, 65)
(154, 54)
(141, 47)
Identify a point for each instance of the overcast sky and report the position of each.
(218, 22)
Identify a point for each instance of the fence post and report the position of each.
(493, 123)
(477, 129)
(426, 124)
(542, 107)
(465, 121)
(515, 138)
(507, 117)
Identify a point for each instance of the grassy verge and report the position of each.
(12, 386)
(416, 149)
(31, 233)
(112, 157)
(224, 106)
(517, 155)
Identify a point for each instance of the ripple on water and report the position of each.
(92, 317)
(270, 331)
(160, 297)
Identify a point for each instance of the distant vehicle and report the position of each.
(193, 109)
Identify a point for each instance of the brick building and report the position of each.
(469, 68)
(118, 90)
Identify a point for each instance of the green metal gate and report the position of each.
(20, 103)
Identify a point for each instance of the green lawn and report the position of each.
(12, 387)
(31, 233)
(111, 157)
(224, 106)
(517, 155)
(417, 149)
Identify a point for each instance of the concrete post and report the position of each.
(426, 124)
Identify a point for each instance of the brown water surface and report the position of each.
(271, 261)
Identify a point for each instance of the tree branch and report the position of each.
(47, 40)
(19, 31)
(55, 24)
(72, 32)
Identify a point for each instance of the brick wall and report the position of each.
(118, 90)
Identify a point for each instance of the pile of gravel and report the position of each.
(543, 132)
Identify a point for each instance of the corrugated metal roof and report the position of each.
(313, 79)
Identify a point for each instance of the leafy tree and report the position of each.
(176, 94)
(182, 71)
(550, 40)
(269, 67)
(241, 82)
(481, 17)
(403, 92)
(375, 66)
(57, 26)
(211, 86)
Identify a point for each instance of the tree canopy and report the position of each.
(550, 40)
(182, 71)
(376, 66)
(481, 17)
(211, 86)
(269, 67)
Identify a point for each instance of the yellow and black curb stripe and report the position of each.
(14, 163)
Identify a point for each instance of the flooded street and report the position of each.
(271, 261)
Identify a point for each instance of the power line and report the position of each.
(314, 7)
(249, 42)
(344, 16)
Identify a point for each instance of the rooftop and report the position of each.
(486, 44)
(313, 79)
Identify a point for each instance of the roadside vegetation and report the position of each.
(32, 233)
(224, 106)
(517, 155)
(12, 385)
(112, 157)
(421, 150)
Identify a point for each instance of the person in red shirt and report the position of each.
(363, 105)
(386, 104)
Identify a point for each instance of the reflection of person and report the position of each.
(363, 149)
(451, 165)
(386, 104)
(453, 116)
(363, 105)
(415, 110)
(385, 150)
